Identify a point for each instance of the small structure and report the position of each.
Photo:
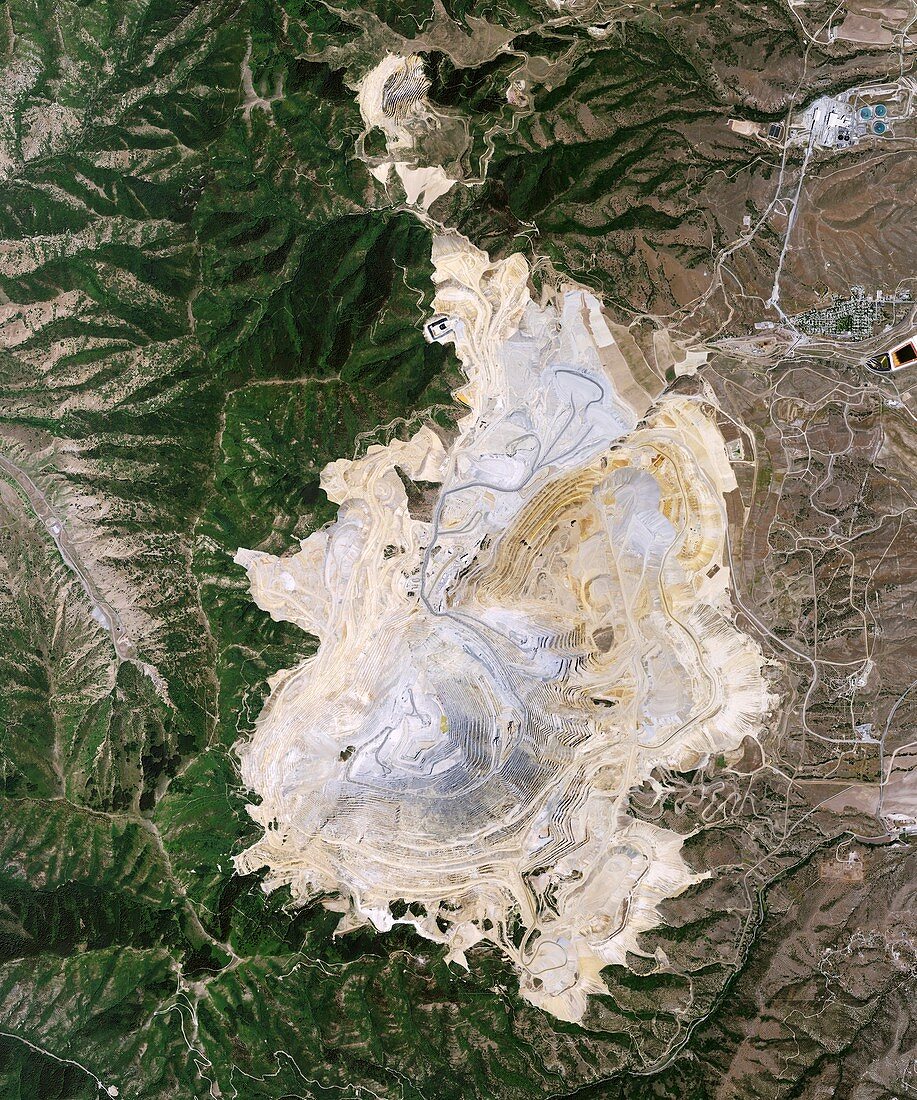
(830, 123)
(439, 329)
(848, 869)
(839, 122)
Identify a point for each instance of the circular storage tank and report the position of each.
(879, 127)
(866, 112)
(881, 110)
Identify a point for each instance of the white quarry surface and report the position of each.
(490, 685)
(392, 98)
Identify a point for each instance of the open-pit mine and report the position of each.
(494, 677)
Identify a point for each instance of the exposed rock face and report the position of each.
(491, 685)
(393, 99)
